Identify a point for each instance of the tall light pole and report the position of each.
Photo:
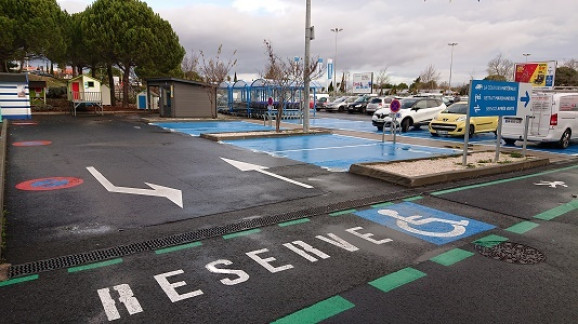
(526, 55)
(451, 65)
(309, 35)
(336, 30)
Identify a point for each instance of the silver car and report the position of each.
(378, 103)
(340, 104)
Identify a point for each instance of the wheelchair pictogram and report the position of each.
(459, 227)
(425, 223)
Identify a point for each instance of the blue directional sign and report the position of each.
(428, 224)
(497, 98)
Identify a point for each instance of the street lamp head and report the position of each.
(336, 29)
(452, 44)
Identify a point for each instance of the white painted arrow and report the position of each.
(171, 194)
(244, 166)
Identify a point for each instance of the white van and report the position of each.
(555, 120)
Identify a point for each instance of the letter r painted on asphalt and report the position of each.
(126, 297)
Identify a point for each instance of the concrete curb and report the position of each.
(3, 141)
(366, 169)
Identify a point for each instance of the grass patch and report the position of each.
(485, 161)
(516, 155)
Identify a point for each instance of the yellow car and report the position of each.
(452, 122)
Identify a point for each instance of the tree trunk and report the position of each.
(125, 84)
(111, 84)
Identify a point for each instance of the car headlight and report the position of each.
(357, 106)
(461, 119)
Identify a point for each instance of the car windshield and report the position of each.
(359, 99)
(457, 108)
(340, 99)
(408, 102)
(375, 100)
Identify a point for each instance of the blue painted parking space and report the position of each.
(337, 152)
(425, 223)
(212, 127)
(479, 139)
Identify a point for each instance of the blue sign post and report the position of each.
(495, 98)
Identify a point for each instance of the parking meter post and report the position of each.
(526, 129)
(467, 131)
(499, 140)
(394, 125)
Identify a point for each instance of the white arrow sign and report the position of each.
(243, 166)
(171, 194)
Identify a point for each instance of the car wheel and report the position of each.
(565, 139)
(380, 128)
(472, 130)
(434, 134)
(340, 109)
(405, 125)
(509, 141)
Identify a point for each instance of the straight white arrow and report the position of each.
(244, 166)
(171, 194)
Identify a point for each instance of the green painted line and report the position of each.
(243, 233)
(318, 312)
(397, 279)
(413, 198)
(522, 227)
(18, 280)
(294, 222)
(343, 212)
(178, 248)
(491, 183)
(490, 240)
(451, 257)
(95, 265)
(385, 204)
(558, 211)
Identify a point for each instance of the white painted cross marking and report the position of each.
(552, 184)
(244, 166)
(171, 194)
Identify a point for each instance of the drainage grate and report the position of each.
(511, 252)
(68, 261)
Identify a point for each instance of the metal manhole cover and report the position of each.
(512, 252)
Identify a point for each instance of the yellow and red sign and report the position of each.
(539, 74)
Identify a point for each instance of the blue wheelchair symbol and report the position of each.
(428, 224)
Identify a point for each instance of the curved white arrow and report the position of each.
(244, 166)
(171, 194)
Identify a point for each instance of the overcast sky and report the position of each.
(404, 36)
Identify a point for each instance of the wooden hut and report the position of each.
(14, 96)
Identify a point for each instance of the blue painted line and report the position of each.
(337, 152)
(428, 224)
(198, 128)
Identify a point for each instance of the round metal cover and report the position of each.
(512, 252)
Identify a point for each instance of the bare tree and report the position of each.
(571, 63)
(430, 76)
(285, 74)
(214, 71)
(501, 67)
(190, 67)
(381, 79)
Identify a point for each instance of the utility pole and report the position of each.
(336, 30)
(306, 73)
(451, 65)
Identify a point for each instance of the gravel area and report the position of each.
(445, 164)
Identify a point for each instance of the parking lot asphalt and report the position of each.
(251, 247)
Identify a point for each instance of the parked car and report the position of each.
(554, 119)
(378, 103)
(359, 105)
(415, 111)
(452, 121)
(340, 104)
(322, 103)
